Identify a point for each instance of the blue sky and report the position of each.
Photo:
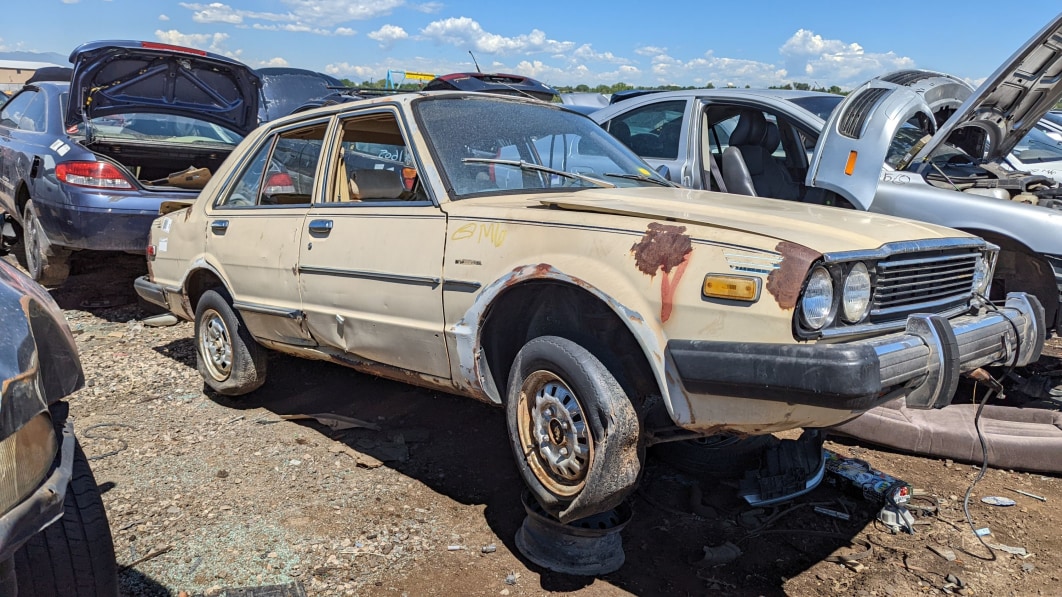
(561, 43)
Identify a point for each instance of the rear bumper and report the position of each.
(151, 292)
(97, 228)
(760, 388)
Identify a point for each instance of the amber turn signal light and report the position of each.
(850, 166)
(735, 288)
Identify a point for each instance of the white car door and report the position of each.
(370, 265)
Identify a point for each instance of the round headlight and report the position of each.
(818, 299)
(856, 295)
(982, 276)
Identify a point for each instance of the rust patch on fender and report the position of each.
(664, 248)
(785, 283)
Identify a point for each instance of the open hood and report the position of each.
(858, 138)
(1010, 102)
(121, 77)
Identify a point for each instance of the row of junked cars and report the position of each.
(517, 252)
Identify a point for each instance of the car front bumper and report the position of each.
(42, 507)
(761, 388)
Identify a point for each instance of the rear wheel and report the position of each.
(74, 555)
(47, 264)
(227, 356)
(575, 434)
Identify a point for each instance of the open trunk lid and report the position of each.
(121, 77)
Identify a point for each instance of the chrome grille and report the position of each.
(922, 284)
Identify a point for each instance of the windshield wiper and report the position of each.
(539, 168)
(643, 178)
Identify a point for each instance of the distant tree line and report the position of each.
(605, 89)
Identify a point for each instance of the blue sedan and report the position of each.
(86, 164)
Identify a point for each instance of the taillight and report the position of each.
(100, 175)
(409, 178)
(279, 182)
(150, 252)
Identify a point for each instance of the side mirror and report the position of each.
(664, 171)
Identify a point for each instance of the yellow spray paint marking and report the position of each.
(495, 233)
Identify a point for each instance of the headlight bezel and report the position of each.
(839, 272)
(26, 458)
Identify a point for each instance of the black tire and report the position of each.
(724, 457)
(229, 359)
(47, 264)
(590, 453)
(74, 555)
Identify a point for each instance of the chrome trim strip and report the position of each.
(370, 275)
(461, 286)
(267, 310)
(904, 248)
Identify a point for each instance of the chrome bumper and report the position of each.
(928, 358)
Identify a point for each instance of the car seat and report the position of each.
(749, 168)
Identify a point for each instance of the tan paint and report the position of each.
(786, 282)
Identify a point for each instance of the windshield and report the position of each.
(819, 105)
(491, 131)
(159, 127)
(1040, 145)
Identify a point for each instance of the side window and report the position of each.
(33, 118)
(651, 131)
(283, 172)
(16, 108)
(375, 164)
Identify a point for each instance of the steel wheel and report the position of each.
(553, 426)
(32, 239)
(215, 343)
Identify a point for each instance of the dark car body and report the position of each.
(502, 83)
(287, 90)
(89, 162)
(39, 456)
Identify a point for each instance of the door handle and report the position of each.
(321, 226)
(219, 226)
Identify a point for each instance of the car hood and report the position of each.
(823, 229)
(1011, 101)
(121, 77)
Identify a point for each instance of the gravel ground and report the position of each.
(207, 495)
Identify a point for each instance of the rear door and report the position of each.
(657, 131)
(256, 227)
(370, 264)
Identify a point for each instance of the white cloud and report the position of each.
(388, 35)
(354, 72)
(164, 18)
(70, 1)
(650, 51)
(428, 7)
(213, 42)
(318, 17)
(585, 52)
(277, 61)
(467, 33)
(814, 59)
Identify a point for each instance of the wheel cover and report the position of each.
(553, 430)
(32, 240)
(215, 345)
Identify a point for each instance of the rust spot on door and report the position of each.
(785, 283)
(664, 248)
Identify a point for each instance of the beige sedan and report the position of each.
(512, 251)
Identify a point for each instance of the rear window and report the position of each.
(166, 128)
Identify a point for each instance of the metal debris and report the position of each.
(1027, 494)
(334, 421)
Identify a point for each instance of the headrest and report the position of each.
(750, 128)
(370, 185)
(771, 137)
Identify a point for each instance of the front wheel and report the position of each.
(74, 555)
(575, 433)
(226, 354)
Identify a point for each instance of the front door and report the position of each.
(370, 264)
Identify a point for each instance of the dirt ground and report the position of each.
(208, 495)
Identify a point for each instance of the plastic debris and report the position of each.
(983, 532)
(996, 500)
(875, 485)
(1018, 551)
(897, 518)
(719, 555)
(943, 552)
(334, 421)
(489, 548)
(1027, 494)
(455, 547)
